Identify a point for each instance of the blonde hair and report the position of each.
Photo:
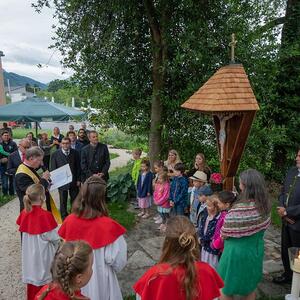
(213, 199)
(178, 160)
(71, 259)
(181, 247)
(35, 194)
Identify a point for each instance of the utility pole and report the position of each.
(2, 93)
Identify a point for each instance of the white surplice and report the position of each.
(108, 260)
(38, 251)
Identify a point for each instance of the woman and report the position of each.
(173, 159)
(46, 146)
(241, 263)
(56, 137)
(200, 165)
(32, 139)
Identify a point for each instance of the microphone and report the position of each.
(44, 170)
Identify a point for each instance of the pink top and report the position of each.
(161, 194)
(217, 241)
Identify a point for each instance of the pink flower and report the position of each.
(216, 178)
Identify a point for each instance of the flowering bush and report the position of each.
(216, 178)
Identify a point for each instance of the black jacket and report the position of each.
(59, 159)
(14, 160)
(95, 160)
(291, 186)
(9, 147)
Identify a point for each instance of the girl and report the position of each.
(89, 222)
(173, 159)
(71, 270)
(39, 240)
(206, 231)
(144, 189)
(159, 168)
(225, 201)
(241, 263)
(179, 275)
(161, 198)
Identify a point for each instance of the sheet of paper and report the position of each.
(60, 177)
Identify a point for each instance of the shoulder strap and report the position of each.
(24, 169)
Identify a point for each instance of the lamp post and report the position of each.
(2, 93)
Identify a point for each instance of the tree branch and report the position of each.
(262, 29)
(153, 22)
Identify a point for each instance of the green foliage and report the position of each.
(122, 140)
(120, 188)
(113, 155)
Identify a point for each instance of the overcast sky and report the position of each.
(25, 37)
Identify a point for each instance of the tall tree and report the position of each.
(144, 58)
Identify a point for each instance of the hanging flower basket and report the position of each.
(216, 182)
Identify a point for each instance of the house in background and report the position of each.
(17, 93)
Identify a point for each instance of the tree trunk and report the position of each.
(158, 76)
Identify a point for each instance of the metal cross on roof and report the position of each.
(232, 44)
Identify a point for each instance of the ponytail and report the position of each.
(27, 203)
(35, 194)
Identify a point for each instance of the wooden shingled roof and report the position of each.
(227, 90)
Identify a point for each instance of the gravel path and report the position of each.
(11, 286)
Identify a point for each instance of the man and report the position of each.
(71, 128)
(289, 211)
(82, 137)
(56, 137)
(95, 158)
(8, 146)
(26, 175)
(67, 155)
(17, 157)
(75, 144)
(6, 128)
(83, 126)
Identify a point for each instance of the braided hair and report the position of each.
(71, 259)
(181, 247)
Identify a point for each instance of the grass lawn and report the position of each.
(113, 155)
(5, 199)
(118, 212)
(20, 133)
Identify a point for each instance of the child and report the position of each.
(225, 201)
(179, 275)
(39, 240)
(159, 168)
(200, 187)
(161, 198)
(206, 231)
(144, 189)
(71, 270)
(89, 222)
(179, 190)
(136, 155)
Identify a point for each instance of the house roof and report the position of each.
(227, 90)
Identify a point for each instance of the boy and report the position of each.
(199, 192)
(136, 155)
(179, 190)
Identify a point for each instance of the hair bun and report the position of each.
(186, 240)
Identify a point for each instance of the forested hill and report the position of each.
(19, 80)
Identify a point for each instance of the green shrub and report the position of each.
(120, 188)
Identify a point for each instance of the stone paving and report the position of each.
(144, 248)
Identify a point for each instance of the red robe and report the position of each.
(98, 232)
(37, 221)
(161, 282)
(56, 293)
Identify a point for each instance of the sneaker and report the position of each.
(140, 214)
(145, 216)
(156, 217)
(158, 221)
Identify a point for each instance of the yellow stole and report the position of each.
(25, 170)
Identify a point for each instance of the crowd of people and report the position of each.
(213, 245)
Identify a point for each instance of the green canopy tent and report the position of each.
(38, 110)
